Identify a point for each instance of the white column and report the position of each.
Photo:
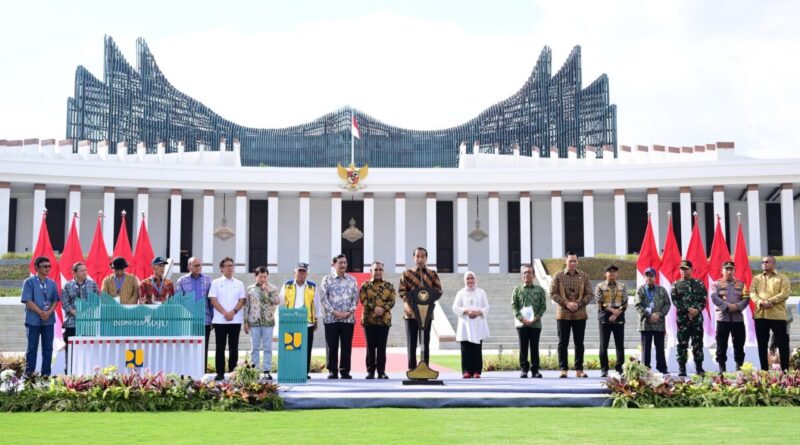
(494, 232)
(336, 224)
(369, 231)
(399, 232)
(108, 221)
(39, 195)
(272, 232)
(176, 203)
(787, 219)
(240, 249)
(304, 247)
(462, 224)
(430, 230)
(74, 206)
(525, 228)
(620, 223)
(719, 209)
(686, 218)
(652, 208)
(208, 231)
(5, 210)
(753, 220)
(142, 206)
(588, 223)
(557, 224)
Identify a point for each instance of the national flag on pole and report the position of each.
(97, 261)
(144, 253)
(648, 254)
(72, 251)
(45, 248)
(670, 272)
(354, 128)
(123, 246)
(743, 272)
(719, 255)
(696, 253)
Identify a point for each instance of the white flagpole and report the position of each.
(352, 140)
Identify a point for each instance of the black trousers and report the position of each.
(778, 328)
(471, 357)
(376, 348)
(208, 337)
(648, 339)
(578, 328)
(335, 334)
(606, 329)
(226, 333)
(734, 329)
(68, 332)
(311, 330)
(529, 340)
(412, 331)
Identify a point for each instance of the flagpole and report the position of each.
(352, 140)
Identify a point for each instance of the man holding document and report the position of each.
(529, 304)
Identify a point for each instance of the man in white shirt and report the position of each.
(298, 293)
(227, 296)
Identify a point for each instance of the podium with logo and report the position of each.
(167, 337)
(292, 345)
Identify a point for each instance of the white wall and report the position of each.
(24, 241)
(604, 241)
(384, 231)
(478, 258)
(503, 221)
(90, 205)
(541, 228)
(288, 240)
(320, 236)
(157, 227)
(415, 227)
(227, 247)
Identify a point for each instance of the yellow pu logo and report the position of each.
(292, 340)
(134, 358)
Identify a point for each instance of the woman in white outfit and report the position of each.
(471, 306)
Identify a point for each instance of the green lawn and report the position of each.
(402, 426)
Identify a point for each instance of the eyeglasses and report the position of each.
(44, 266)
(377, 270)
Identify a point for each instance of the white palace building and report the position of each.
(532, 176)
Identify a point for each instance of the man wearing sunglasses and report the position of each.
(39, 295)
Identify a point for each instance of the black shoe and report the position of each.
(604, 373)
(346, 376)
(308, 377)
(219, 378)
(267, 375)
(523, 375)
(722, 368)
(664, 371)
(682, 371)
(383, 376)
(699, 369)
(738, 366)
(370, 376)
(332, 376)
(536, 375)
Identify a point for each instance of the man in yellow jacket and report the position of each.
(769, 291)
(301, 292)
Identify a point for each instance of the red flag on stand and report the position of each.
(72, 251)
(144, 253)
(97, 261)
(743, 272)
(696, 253)
(719, 253)
(648, 254)
(670, 272)
(123, 246)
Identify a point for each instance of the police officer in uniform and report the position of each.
(612, 302)
(730, 296)
(689, 298)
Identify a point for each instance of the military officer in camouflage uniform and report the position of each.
(730, 296)
(689, 297)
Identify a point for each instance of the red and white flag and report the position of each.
(123, 246)
(670, 272)
(719, 255)
(144, 253)
(97, 261)
(72, 251)
(648, 254)
(354, 128)
(696, 253)
(743, 272)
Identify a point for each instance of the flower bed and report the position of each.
(112, 391)
(642, 388)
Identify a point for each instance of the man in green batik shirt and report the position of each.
(689, 297)
(531, 299)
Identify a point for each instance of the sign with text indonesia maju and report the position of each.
(103, 316)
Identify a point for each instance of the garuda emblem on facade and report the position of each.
(352, 176)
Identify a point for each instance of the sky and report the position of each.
(681, 72)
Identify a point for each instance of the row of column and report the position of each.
(557, 223)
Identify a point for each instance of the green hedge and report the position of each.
(596, 267)
(14, 272)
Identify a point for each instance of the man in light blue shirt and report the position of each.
(39, 295)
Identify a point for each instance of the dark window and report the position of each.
(514, 254)
(56, 222)
(444, 236)
(354, 251)
(573, 227)
(637, 225)
(774, 229)
(12, 225)
(259, 232)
